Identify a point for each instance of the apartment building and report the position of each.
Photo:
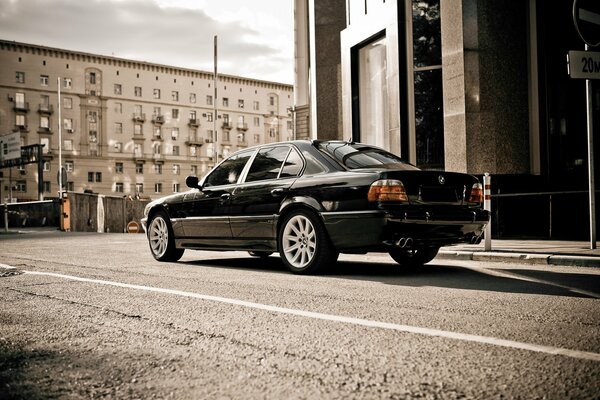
(128, 127)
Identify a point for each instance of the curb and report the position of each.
(522, 258)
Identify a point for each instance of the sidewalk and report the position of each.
(541, 252)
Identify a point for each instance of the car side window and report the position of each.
(292, 166)
(228, 172)
(267, 163)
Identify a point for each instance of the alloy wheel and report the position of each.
(299, 241)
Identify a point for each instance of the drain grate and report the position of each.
(11, 272)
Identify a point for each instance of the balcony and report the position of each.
(158, 119)
(242, 126)
(45, 109)
(139, 117)
(139, 156)
(227, 125)
(44, 130)
(21, 107)
(194, 141)
(194, 122)
(157, 157)
(157, 136)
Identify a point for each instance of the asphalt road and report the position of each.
(94, 316)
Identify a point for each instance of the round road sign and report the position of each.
(586, 17)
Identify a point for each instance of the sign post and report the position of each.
(586, 65)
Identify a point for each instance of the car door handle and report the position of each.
(277, 192)
(225, 197)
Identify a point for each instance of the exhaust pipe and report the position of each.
(409, 243)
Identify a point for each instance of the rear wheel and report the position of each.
(161, 239)
(415, 257)
(304, 245)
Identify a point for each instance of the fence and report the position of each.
(87, 213)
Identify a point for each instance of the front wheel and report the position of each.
(304, 245)
(161, 239)
(415, 257)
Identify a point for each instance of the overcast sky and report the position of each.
(255, 36)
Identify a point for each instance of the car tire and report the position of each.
(161, 238)
(304, 245)
(414, 258)
(260, 253)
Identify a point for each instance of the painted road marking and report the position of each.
(584, 355)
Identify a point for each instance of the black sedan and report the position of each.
(312, 200)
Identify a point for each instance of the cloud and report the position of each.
(166, 34)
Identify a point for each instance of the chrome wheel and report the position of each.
(162, 239)
(299, 241)
(158, 237)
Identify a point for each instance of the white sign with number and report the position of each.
(584, 64)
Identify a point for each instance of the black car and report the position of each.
(311, 200)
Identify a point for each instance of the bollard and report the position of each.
(487, 205)
(6, 217)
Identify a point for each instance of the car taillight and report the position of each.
(476, 194)
(387, 190)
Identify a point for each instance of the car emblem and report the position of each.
(441, 179)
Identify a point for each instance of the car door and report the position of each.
(255, 203)
(208, 223)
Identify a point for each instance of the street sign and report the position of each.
(584, 64)
(10, 146)
(586, 17)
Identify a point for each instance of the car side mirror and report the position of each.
(192, 182)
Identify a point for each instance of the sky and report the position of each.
(255, 37)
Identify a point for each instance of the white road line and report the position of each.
(584, 355)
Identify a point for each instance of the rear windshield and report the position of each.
(356, 155)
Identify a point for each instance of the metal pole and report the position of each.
(487, 205)
(590, 135)
(216, 136)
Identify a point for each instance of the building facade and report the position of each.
(128, 127)
(477, 86)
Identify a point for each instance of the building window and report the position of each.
(158, 187)
(175, 95)
(137, 91)
(139, 188)
(21, 186)
(44, 80)
(68, 145)
(118, 147)
(225, 102)
(194, 170)
(256, 138)
(138, 150)
(92, 78)
(68, 125)
(174, 133)
(427, 58)
(47, 187)
(67, 103)
(137, 129)
(193, 151)
(69, 166)
(119, 187)
(241, 103)
(176, 188)
(119, 168)
(90, 177)
(70, 186)
(255, 105)
(209, 100)
(118, 108)
(156, 93)
(193, 98)
(139, 168)
(46, 166)
(118, 88)
(20, 120)
(175, 150)
(209, 117)
(67, 83)
(118, 128)
(175, 113)
(158, 169)
(98, 176)
(20, 77)
(176, 169)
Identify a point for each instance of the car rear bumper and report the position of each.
(379, 231)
